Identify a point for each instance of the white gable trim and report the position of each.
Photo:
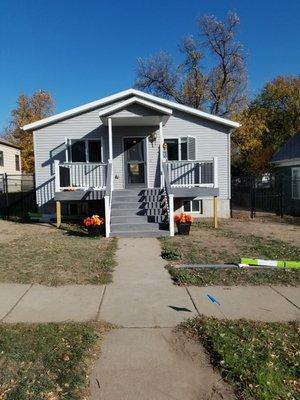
(134, 100)
(119, 96)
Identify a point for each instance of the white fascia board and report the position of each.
(134, 100)
(120, 95)
(75, 111)
(289, 162)
(188, 109)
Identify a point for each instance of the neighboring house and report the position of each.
(138, 156)
(10, 158)
(10, 164)
(287, 164)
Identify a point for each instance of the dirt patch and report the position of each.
(286, 232)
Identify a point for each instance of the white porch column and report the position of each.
(161, 143)
(57, 176)
(110, 145)
(107, 215)
(171, 214)
(216, 178)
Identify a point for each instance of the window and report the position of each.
(1, 159)
(181, 149)
(17, 162)
(195, 206)
(88, 150)
(296, 183)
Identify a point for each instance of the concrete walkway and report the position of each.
(144, 359)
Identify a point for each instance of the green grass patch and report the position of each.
(231, 277)
(46, 361)
(260, 359)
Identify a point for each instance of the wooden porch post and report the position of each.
(58, 214)
(215, 212)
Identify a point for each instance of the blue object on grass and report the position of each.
(213, 299)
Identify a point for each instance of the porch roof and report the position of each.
(157, 113)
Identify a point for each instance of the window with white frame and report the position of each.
(87, 150)
(296, 183)
(181, 149)
(192, 206)
(1, 159)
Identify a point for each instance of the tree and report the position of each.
(29, 109)
(222, 90)
(269, 121)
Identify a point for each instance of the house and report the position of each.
(10, 164)
(137, 158)
(10, 158)
(287, 166)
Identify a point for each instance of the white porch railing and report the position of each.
(193, 173)
(80, 175)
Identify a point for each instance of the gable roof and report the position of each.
(121, 95)
(290, 150)
(6, 143)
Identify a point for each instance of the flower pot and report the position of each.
(95, 230)
(183, 228)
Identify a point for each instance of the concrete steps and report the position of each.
(138, 213)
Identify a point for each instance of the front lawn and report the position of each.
(206, 245)
(47, 361)
(51, 256)
(260, 359)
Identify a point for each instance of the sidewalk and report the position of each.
(143, 359)
(142, 295)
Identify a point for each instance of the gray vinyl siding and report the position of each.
(136, 110)
(212, 140)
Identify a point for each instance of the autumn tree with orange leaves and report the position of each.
(29, 109)
(267, 123)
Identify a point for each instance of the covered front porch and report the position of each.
(135, 158)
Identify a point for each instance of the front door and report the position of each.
(135, 162)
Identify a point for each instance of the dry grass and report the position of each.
(228, 244)
(49, 256)
(260, 359)
(47, 361)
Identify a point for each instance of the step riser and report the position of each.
(129, 219)
(140, 234)
(138, 213)
(133, 227)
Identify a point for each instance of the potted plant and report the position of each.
(183, 222)
(94, 225)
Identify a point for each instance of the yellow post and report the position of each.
(215, 212)
(58, 214)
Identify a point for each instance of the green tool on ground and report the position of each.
(270, 263)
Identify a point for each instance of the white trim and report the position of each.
(216, 172)
(98, 103)
(191, 206)
(110, 142)
(178, 138)
(161, 145)
(145, 161)
(87, 155)
(171, 214)
(289, 162)
(115, 107)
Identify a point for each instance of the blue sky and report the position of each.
(83, 50)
